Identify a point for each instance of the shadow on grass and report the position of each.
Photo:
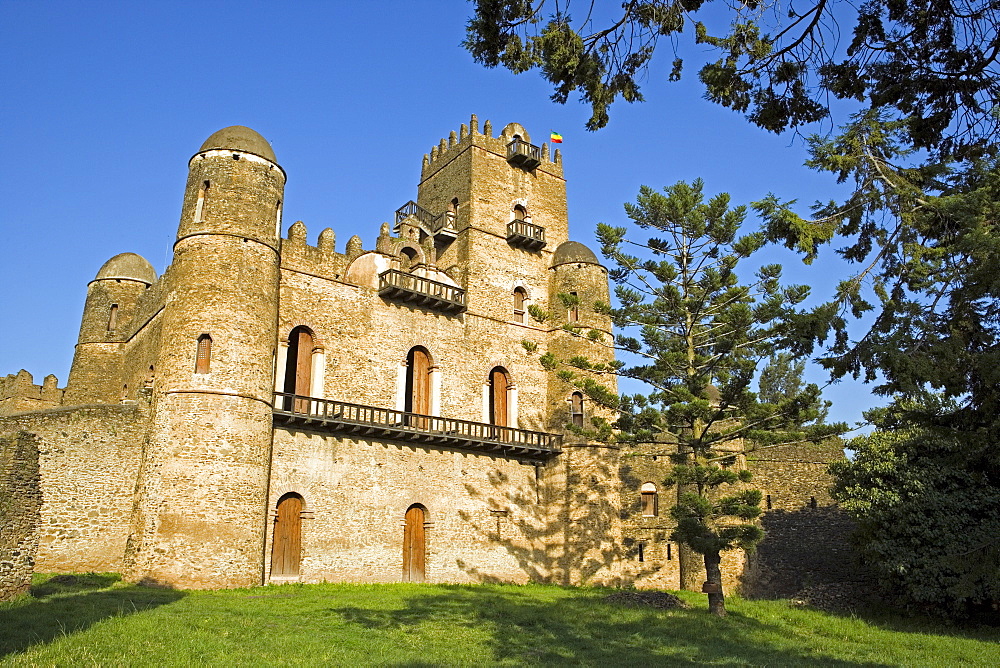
(66, 604)
(526, 628)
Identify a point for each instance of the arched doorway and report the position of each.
(418, 385)
(286, 547)
(298, 367)
(499, 404)
(414, 546)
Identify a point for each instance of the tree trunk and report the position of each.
(713, 578)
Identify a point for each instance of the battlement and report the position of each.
(320, 260)
(513, 144)
(19, 394)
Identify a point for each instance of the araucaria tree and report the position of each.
(700, 333)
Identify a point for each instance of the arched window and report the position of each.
(203, 360)
(650, 500)
(113, 317)
(499, 403)
(519, 298)
(574, 311)
(418, 384)
(520, 213)
(576, 409)
(150, 376)
(298, 367)
(124, 391)
(286, 546)
(199, 207)
(414, 545)
(453, 210)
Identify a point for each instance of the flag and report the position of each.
(556, 138)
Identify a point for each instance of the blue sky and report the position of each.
(104, 102)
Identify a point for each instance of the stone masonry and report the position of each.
(268, 410)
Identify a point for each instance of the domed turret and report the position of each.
(240, 138)
(128, 266)
(573, 252)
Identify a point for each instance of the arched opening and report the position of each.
(650, 500)
(414, 544)
(203, 359)
(150, 376)
(573, 314)
(298, 367)
(113, 318)
(407, 258)
(576, 409)
(499, 389)
(199, 207)
(520, 213)
(520, 297)
(286, 546)
(418, 385)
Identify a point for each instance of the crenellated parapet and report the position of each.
(320, 260)
(513, 144)
(19, 394)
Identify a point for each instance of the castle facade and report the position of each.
(272, 411)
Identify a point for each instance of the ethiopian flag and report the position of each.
(556, 138)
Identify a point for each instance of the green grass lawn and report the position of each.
(98, 620)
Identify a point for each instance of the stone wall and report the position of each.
(806, 534)
(19, 394)
(20, 506)
(88, 460)
(485, 521)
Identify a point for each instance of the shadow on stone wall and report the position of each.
(803, 550)
(66, 604)
(567, 534)
(20, 512)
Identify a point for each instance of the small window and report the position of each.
(203, 362)
(642, 552)
(519, 298)
(574, 311)
(199, 207)
(124, 392)
(650, 500)
(520, 213)
(453, 208)
(576, 409)
(670, 554)
(113, 318)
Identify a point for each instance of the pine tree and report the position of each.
(700, 335)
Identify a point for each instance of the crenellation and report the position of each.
(262, 382)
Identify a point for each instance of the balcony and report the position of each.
(339, 416)
(441, 226)
(524, 155)
(398, 285)
(525, 234)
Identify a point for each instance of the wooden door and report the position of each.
(418, 389)
(303, 369)
(413, 545)
(498, 397)
(286, 548)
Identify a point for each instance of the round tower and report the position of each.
(107, 316)
(592, 501)
(201, 511)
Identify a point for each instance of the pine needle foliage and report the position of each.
(697, 334)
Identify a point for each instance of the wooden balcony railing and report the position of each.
(340, 416)
(524, 155)
(396, 284)
(523, 233)
(411, 208)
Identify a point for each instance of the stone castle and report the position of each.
(271, 411)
